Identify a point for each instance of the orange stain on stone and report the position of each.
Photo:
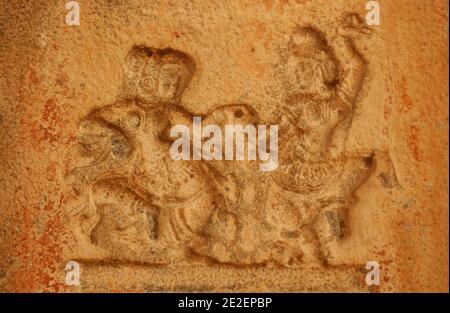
(268, 5)
(51, 172)
(413, 142)
(39, 254)
(49, 129)
(407, 103)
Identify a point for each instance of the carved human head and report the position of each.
(156, 75)
(310, 65)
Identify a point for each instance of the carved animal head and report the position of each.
(156, 76)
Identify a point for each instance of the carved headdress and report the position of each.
(156, 75)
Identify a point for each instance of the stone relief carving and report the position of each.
(128, 200)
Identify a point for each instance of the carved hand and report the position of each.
(352, 26)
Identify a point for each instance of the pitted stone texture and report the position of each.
(85, 171)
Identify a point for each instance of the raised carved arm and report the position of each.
(352, 63)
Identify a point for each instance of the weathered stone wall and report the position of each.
(81, 178)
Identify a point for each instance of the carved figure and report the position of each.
(133, 200)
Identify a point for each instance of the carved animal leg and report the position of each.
(190, 220)
(127, 225)
(183, 233)
(82, 217)
(330, 228)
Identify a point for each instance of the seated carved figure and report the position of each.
(131, 200)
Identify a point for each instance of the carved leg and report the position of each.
(127, 223)
(189, 220)
(330, 228)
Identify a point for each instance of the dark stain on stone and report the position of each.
(386, 180)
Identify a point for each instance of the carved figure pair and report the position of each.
(128, 200)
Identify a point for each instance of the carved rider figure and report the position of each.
(313, 187)
(294, 214)
(131, 200)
